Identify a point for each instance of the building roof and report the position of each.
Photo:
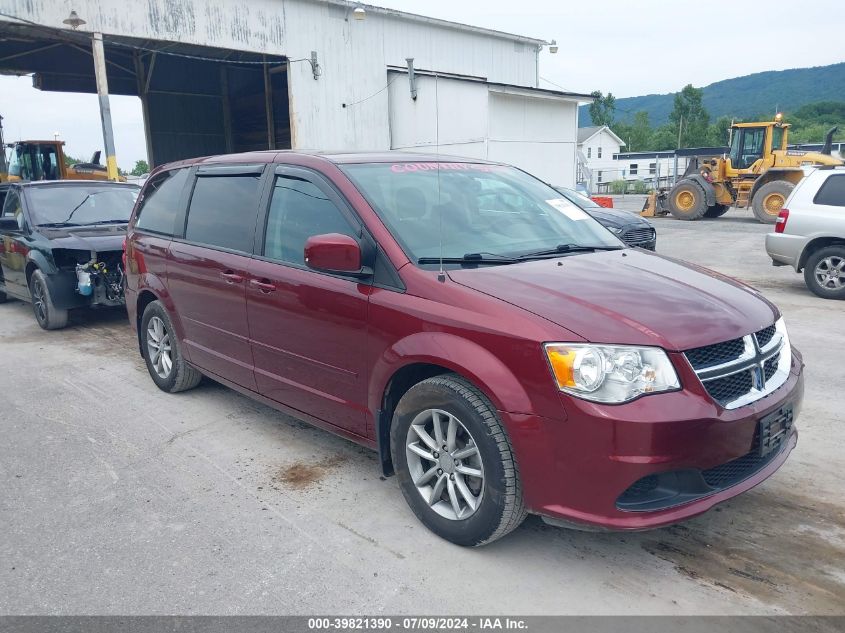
(586, 133)
(414, 17)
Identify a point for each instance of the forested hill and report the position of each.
(743, 96)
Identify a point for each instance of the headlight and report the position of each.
(610, 373)
(616, 230)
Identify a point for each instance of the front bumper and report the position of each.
(575, 470)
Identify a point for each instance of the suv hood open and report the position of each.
(628, 297)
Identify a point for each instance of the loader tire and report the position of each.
(716, 211)
(770, 199)
(687, 201)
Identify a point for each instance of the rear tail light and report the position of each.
(783, 216)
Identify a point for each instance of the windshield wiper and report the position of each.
(108, 222)
(56, 225)
(561, 249)
(471, 258)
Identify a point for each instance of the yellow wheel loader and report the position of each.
(45, 160)
(758, 172)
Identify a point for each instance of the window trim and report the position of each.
(633, 169)
(821, 188)
(211, 171)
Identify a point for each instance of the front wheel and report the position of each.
(824, 272)
(49, 317)
(454, 462)
(687, 201)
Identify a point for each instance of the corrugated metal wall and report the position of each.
(347, 107)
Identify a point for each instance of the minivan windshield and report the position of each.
(475, 212)
(77, 205)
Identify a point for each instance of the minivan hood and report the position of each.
(99, 239)
(628, 297)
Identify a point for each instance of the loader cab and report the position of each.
(33, 160)
(752, 141)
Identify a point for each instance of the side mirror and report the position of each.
(9, 225)
(335, 253)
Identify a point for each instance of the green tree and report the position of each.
(141, 168)
(719, 133)
(602, 108)
(690, 117)
(637, 134)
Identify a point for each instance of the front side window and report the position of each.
(223, 211)
(12, 207)
(749, 148)
(160, 203)
(480, 210)
(78, 205)
(832, 192)
(299, 210)
(777, 138)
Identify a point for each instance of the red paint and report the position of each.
(325, 347)
(333, 252)
(603, 201)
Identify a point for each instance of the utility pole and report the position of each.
(105, 109)
(680, 127)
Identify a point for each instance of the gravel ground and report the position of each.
(120, 499)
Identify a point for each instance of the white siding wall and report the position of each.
(474, 120)
(353, 54)
(606, 164)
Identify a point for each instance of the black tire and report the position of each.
(687, 201)
(3, 297)
(181, 376)
(836, 254)
(48, 316)
(716, 211)
(769, 200)
(500, 509)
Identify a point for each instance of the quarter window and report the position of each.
(160, 202)
(298, 210)
(223, 211)
(832, 192)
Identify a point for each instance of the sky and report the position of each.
(627, 48)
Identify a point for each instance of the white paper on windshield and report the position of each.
(568, 209)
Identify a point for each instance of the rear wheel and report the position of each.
(716, 211)
(454, 462)
(824, 272)
(687, 201)
(769, 200)
(162, 352)
(49, 317)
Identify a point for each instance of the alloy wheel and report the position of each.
(39, 300)
(159, 347)
(830, 273)
(445, 464)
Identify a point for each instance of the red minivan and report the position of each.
(501, 350)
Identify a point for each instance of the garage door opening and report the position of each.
(195, 100)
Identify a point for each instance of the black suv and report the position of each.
(61, 244)
(627, 226)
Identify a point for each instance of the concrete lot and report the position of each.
(120, 499)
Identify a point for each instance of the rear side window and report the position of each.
(298, 210)
(160, 204)
(832, 192)
(223, 211)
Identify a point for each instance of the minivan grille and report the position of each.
(742, 370)
(710, 355)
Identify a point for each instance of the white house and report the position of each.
(596, 149)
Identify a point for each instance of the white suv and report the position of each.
(810, 232)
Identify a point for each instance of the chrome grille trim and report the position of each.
(753, 360)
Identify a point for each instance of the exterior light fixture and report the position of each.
(73, 20)
(359, 14)
(553, 48)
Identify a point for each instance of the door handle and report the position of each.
(232, 277)
(264, 285)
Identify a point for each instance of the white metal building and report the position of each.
(330, 81)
